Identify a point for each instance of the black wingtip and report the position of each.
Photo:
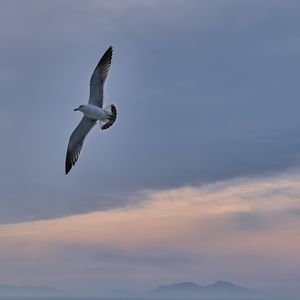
(68, 165)
(106, 57)
(108, 53)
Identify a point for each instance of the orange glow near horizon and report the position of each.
(248, 218)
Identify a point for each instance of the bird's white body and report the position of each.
(94, 112)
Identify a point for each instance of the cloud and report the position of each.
(216, 231)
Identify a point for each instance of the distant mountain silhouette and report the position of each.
(220, 290)
(226, 286)
(217, 290)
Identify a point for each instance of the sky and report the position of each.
(199, 173)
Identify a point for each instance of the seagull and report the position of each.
(93, 112)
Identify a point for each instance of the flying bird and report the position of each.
(93, 112)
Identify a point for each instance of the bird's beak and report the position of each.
(75, 109)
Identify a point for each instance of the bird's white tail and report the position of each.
(111, 118)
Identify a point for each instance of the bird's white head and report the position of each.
(80, 108)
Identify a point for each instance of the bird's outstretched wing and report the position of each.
(76, 141)
(98, 78)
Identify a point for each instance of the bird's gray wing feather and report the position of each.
(76, 141)
(98, 78)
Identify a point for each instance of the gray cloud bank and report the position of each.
(206, 90)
